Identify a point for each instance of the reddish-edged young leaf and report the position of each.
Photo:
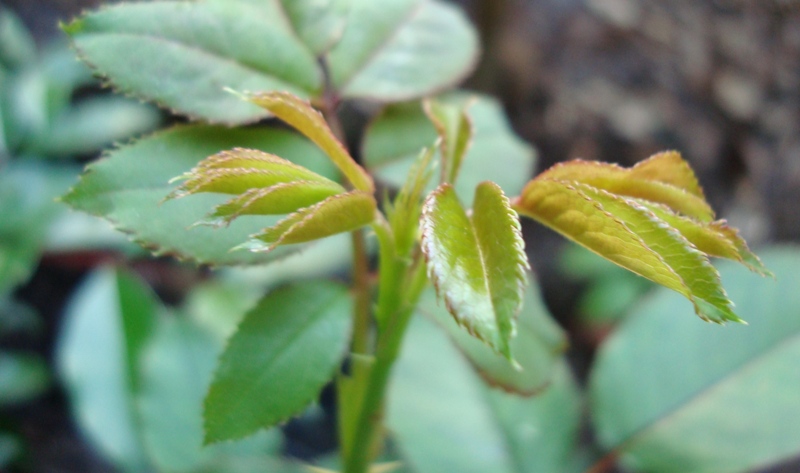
(336, 214)
(651, 219)
(302, 116)
(455, 131)
(477, 263)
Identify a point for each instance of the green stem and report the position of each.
(405, 297)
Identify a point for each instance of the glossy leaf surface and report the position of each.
(107, 324)
(402, 49)
(188, 52)
(129, 186)
(477, 263)
(536, 348)
(495, 153)
(284, 351)
(300, 115)
(672, 395)
(626, 216)
(444, 418)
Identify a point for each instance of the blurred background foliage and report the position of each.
(105, 353)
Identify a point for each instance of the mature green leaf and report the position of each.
(673, 396)
(445, 419)
(336, 214)
(536, 348)
(300, 115)
(285, 350)
(128, 188)
(186, 53)
(22, 377)
(106, 326)
(319, 23)
(495, 154)
(176, 369)
(402, 49)
(477, 263)
(627, 216)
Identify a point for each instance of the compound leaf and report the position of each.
(402, 49)
(183, 54)
(283, 353)
(477, 263)
(128, 188)
(651, 219)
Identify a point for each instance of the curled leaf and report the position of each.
(299, 114)
(651, 219)
(455, 130)
(477, 263)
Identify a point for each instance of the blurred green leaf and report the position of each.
(10, 448)
(219, 306)
(674, 395)
(22, 377)
(537, 346)
(283, 353)
(106, 325)
(495, 154)
(128, 188)
(402, 49)
(27, 208)
(319, 23)
(477, 263)
(186, 53)
(16, 43)
(92, 124)
(445, 419)
(176, 369)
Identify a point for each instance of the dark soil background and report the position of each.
(610, 80)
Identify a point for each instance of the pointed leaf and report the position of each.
(107, 324)
(496, 154)
(284, 352)
(300, 115)
(455, 131)
(176, 369)
(536, 348)
(239, 170)
(319, 24)
(336, 214)
(444, 418)
(281, 198)
(664, 178)
(129, 185)
(477, 264)
(403, 214)
(402, 49)
(216, 44)
(628, 234)
(669, 395)
(715, 238)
